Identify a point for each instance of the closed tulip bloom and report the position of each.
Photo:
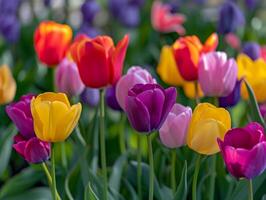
(167, 68)
(254, 72)
(7, 85)
(252, 49)
(217, 74)
(187, 52)
(244, 151)
(32, 150)
(147, 106)
(90, 96)
(51, 41)
(233, 98)
(230, 18)
(163, 20)
(20, 113)
(67, 79)
(207, 124)
(111, 100)
(100, 63)
(135, 75)
(53, 117)
(173, 132)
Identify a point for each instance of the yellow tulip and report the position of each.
(53, 117)
(7, 85)
(189, 89)
(207, 124)
(167, 68)
(255, 74)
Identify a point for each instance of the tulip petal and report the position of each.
(19, 147)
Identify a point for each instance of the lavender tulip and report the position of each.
(252, 49)
(67, 78)
(174, 130)
(134, 76)
(89, 10)
(90, 96)
(233, 98)
(9, 27)
(217, 74)
(32, 150)
(111, 100)
(20, 113)
(244, 151)
(147, 106)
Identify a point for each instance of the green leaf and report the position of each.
(182, 189)
(254, 106)
(90, 194)
(21, 182)
(41, 193)
(131, 190)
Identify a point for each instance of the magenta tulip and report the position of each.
(244, 151)
(135, 75)
(174, 130)
(217, 74)
(67, 78)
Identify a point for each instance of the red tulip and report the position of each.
(100, 63)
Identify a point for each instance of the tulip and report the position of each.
(32, 150)
(90, 97)
(187, 52)
(20, 113)
(207, 124)
(263, 53)
(251, 49)
(167, 68)
(53, 117)
(173, 132)
(163, 20)
(67, 79)
(230, 18)
(89, 9)
(217, 74)
(262, 109)
(51, 41)
(244, 151)
(190, 90)
(232, 40)
(254, 72)
(9, 27)
(111, 100)
(7, 85)
(100, 63)
(147, 106)
(135, 75)
(233, 98)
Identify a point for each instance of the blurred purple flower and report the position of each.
(230, 18)
(251, 3)
(9, 28)
(233, 98)
(111, 100)
(252, 49)
(47, 3)
(9, 6)
(90, 96)
(89, 10)
(89, 30)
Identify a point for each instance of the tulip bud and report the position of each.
(173, 132)
(252, 49)
(7, 85)
(90, 96)
(111, 100)
(67, 78)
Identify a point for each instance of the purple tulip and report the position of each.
(251, 4)
(174, 130)
(233, 98)
(230, 18)
(262, 108)
(89, 30)
(9, 6)
(147, 106)
(32, 150)
(89, 10)
(90, 96)
(111, 99)
(252, 49)
(20, 113)
(244, 151)
(67, 78)
(135, 75)
(9, 27)
(217, 74)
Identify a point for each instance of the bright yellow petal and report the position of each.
(52, 96)
(7, 85)
(189, 89)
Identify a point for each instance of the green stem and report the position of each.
(53, 171)
(79, 136)
(195, 178)
(151, 182)
(139, 168)
(197, 93)
(173, 177)
(122, 139)
(250, 191)
(213, 175)
(63, 155)
(102, 143)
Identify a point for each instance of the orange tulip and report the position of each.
(51, 41)
(187, 52)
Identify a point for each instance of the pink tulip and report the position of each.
(173, 132)
(232, 40)
(135, 75)
(164, 21)
(217, 74)
(67, 78)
